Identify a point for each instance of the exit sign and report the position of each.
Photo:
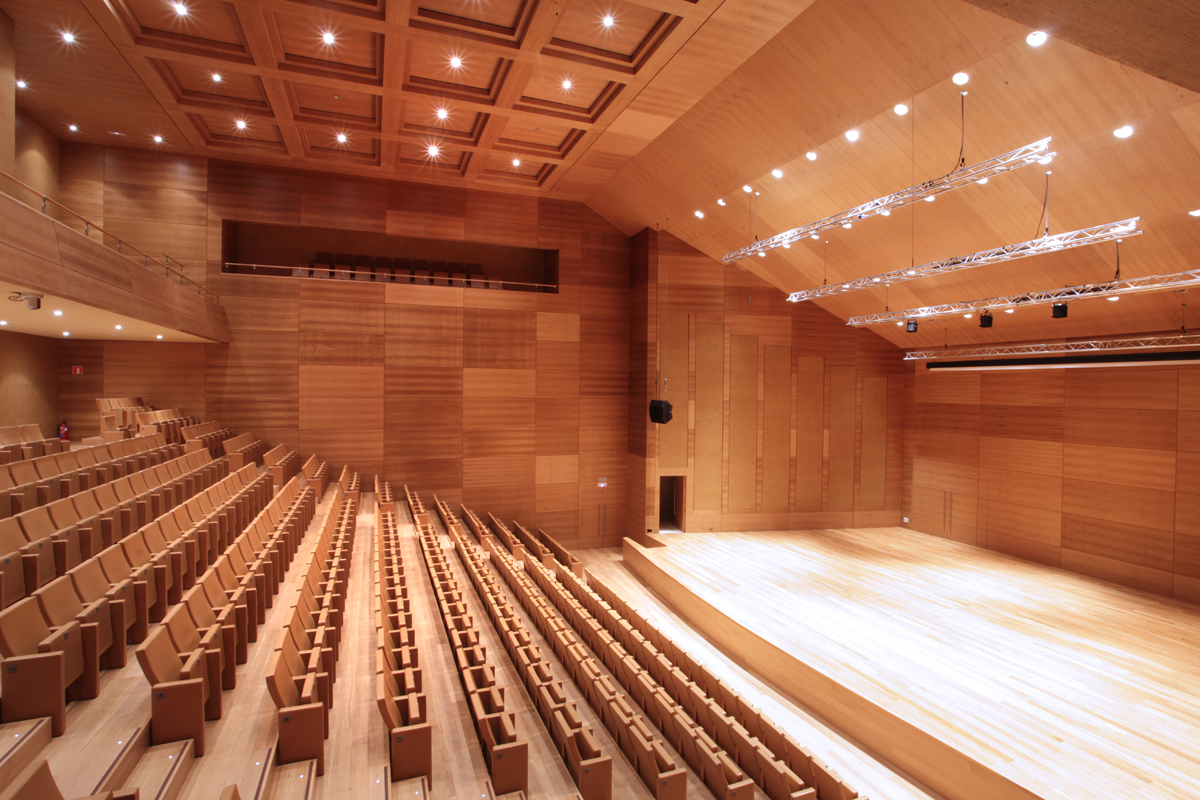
(76, 370)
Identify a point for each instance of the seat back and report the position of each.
(58, 601)
(22, 628)
(158, 658)
(37, 524)
(182, 629)
(137, 552)
(114, 564)
(279, 682)
(199, 607)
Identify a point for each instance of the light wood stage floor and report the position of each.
(1065, 685)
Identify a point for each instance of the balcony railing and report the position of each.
(123, 247)
(348, 273)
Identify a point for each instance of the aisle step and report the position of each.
(20, 744)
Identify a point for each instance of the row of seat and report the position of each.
(170, 421)
(399, 690)
(351, 483)
(190, 659)
(282, 463)
(244, 449)
(561, 554)
(206, 436)
(21, 442)
(533, 545)
(383, 495)
(47, 541)
(318, 473)
(589, 767)
(664, 777)
(56, 641)
(417, 507)
(506, 754)
(303, 667)
(37, 481)
(778, 764)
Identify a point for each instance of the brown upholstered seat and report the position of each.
(41, 664)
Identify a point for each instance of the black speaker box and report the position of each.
(660, 411)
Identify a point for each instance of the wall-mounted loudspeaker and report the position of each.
(1058, 311)
(660, 411)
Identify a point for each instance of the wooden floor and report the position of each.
(1069, 686)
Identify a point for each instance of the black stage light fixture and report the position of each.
(912, 326)
(1058, 311)
(660, 411)
(985, 320)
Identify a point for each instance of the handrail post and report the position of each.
(43, 204)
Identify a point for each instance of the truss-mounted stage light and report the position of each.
(1058, 311)
(967, 176)
(985, 320)
(1009, 252)
(1174, 281)
(911, 326)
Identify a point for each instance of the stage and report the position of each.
(978, 674)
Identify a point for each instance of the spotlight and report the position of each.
(1009, 310)
(241, 124)
(721, 202)
(216, 76)
(960, 78)
(967, 316)
(762, 254)
(886, 213)
(72, 128)
(778, 173)
(328, 38)
(158, 140)
(1114, 298)
(21, 84)
(608, 21)
(747, 189)
(32, 300)
(433, 150)
(442, 113)
(1037, 38)
(68, 37)
(66, 333)
(810, 155)
(700, 214)
(911, 327)
(341, 138)
(57, 313)
(1058, 311)
(1123, 132)
(982, 181)
(847, 224)
(159, 336)
(456, 62)
(1045, 160)
(566, 84)
(985, 320)
(930, 199)
(180, 9)
(118, 327)
(901, 109)
(1195, 213)
(516, 162)
(852, 135)
(3, 322)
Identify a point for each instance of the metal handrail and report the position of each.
(146, 257)
(334, 268)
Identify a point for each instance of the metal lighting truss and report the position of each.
(1029, 154)
(1150, 283)
(1049, 348)
(1009, 252)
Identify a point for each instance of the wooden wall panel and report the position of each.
(841, 437)
(810, 430)
(30, 375)
(743, 421)
(777, 423)
(710, 404)
(673, 437)
(873, 473)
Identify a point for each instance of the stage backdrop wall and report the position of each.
(1093, 470)
(513, 403)
(784, 417)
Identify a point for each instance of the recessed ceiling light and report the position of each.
(608, 21)
(747, 189)
(328, 38)
(516, 162)
(72, 127)
(1123, 132)
(721, 202)
(442, 113)
(1114, 298)
(901, 109)
(700, 214)
(216, 76)
(455, 62)
(180, 9)
(66, 333)
(852, 135)
(241, 124)
(21, 84)
(778, 173)
(930, 199)
(116, 133)
(960, 78)
(57, 313)
(1009, 310)
(810, 155)
(899, 322)
(158, 140)
(1195, 213)
(433, 150)
(566, 84)
(68, 37)
(118, 327)
(982, 181)
(967, 316)
(341, 138)
(160, 336)
(1037, 38)
(3, 322)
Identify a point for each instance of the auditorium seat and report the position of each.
(44, 667)
(181, 686)
(60, 604)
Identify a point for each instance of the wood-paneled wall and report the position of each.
(1092, 470)
(29, 381)
(789, 418)
(514, 403)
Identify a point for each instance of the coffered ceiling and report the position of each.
(525, 95)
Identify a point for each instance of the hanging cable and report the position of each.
(664, 245)
(1117, 277)
(1045, 211)
(912, 214)
(962, 147)
(657, 324)
(825, 282)
(1183, 318)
